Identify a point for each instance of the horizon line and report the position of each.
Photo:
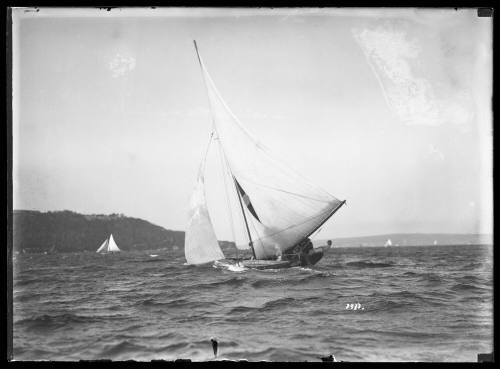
(317, 239)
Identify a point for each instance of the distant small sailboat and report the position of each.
(388, 243)
(435, 242)
(108, 246)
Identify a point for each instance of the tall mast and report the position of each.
(197, 53)
(224, 167)
(234, 179)
(245, 218)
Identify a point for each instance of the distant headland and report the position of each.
(68, 231)
(413, 239)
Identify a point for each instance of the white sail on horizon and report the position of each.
(112, 246)
(109, 245)
(103, 246)
(287, 207)
(388, 243)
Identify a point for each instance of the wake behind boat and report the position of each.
(279, 208)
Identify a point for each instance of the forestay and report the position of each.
(285, 208)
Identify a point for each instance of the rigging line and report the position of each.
(227, 196)
(315, 233)
(328, 217)
(330, 212)
(203, 72)
(201, 171)
(245, 218)
(289, 192)
(207, 79)
(228, 168)
(257, 143)
(254, 228)
(237, 193)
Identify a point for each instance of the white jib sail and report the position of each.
(289, 208)
(112, 246)
(200, 245)
(104, 246)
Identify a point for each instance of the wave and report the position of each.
(273, 304)
(54, 321)
(121, 310)
(177, 303)
(473, 265)
(411, 274)
(290, 281)
(124, 347)
(432, 277)
(403, 333)
(262, 283)
(400, 295)
(231, 282)
(153, 260)
(458, 287)
(25, 282)
(469, 279)
(271, 354)
(368, 264)
(284, 301)
(243, 309)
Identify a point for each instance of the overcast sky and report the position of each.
(388, 109)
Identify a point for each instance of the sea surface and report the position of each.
(431, 303)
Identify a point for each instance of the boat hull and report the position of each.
(265, 264)
(305, 259)
(287, 261)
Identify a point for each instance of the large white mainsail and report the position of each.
(200, 245)
(285, 208)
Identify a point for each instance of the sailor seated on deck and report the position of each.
(303, 247)
(308, 246)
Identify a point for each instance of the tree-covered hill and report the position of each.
(67, 231)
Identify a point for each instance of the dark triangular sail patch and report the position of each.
(246, 200)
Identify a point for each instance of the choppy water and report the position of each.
(420, 304)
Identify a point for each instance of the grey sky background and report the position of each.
(388, 109)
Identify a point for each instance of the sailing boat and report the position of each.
(388, 243)
(108, 246)
(280, 209)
